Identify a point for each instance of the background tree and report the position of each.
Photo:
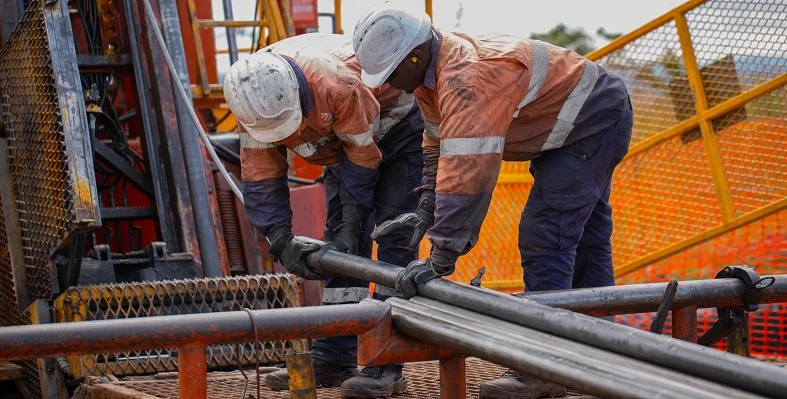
(573, 38)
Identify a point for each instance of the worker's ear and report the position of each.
(415, 58)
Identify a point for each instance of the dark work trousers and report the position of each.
(566, 226)
(394, 195)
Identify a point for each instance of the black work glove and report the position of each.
(419, 221)
(290, 251)
(417, 272)
(346, 238)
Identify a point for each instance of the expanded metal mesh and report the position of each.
(163, 298)
(10, 314)
(423, 382)
(38, 153)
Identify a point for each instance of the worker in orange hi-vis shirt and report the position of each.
(490, 98)
(305, 94)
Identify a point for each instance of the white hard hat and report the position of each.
(383, 38)
(262, 92)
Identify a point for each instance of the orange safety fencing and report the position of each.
(705, 183)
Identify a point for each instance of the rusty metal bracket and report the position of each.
(382, 345)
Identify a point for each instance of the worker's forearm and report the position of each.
(267, 204)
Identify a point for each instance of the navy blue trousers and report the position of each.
(394, 195)
(566, 226)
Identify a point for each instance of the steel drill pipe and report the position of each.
(572, 364)
(707, 363)
(61, 339)
(639, 298)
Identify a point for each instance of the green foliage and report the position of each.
(563, 36)
(573, 38)
(607, 35)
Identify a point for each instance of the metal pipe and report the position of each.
(102, 336)
(639, 298)
(192, 372)
(172, 46)
(572, 364)
(704, 362)
(185, 96)
(232, 44)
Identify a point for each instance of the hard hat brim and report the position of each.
(376, 80)
(278, 133)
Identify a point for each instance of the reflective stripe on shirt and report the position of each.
(571, 107)
(472, 146)
(432, 129)
(246, 141)
(538, 76)
(362, 139)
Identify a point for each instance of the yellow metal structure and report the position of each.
(708, 156)
(272, 26)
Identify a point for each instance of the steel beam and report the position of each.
(736, 371)
(202, 209)
(103, 61)
(137, 179)
(128, 213)
(151, 143)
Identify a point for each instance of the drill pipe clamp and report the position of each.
(731, 318)
(751, 280)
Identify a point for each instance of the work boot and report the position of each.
(325, 375)
(375, 382)
(513, 385)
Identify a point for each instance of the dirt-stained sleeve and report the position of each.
(472, 136)
(265, 190)
(356, 119)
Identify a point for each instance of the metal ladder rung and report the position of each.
(209, 23)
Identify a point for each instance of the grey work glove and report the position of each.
(346, 239)
(347, 234)
(417, 272)
(290, 251)
(419, 221)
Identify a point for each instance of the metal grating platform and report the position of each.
(423, 383)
